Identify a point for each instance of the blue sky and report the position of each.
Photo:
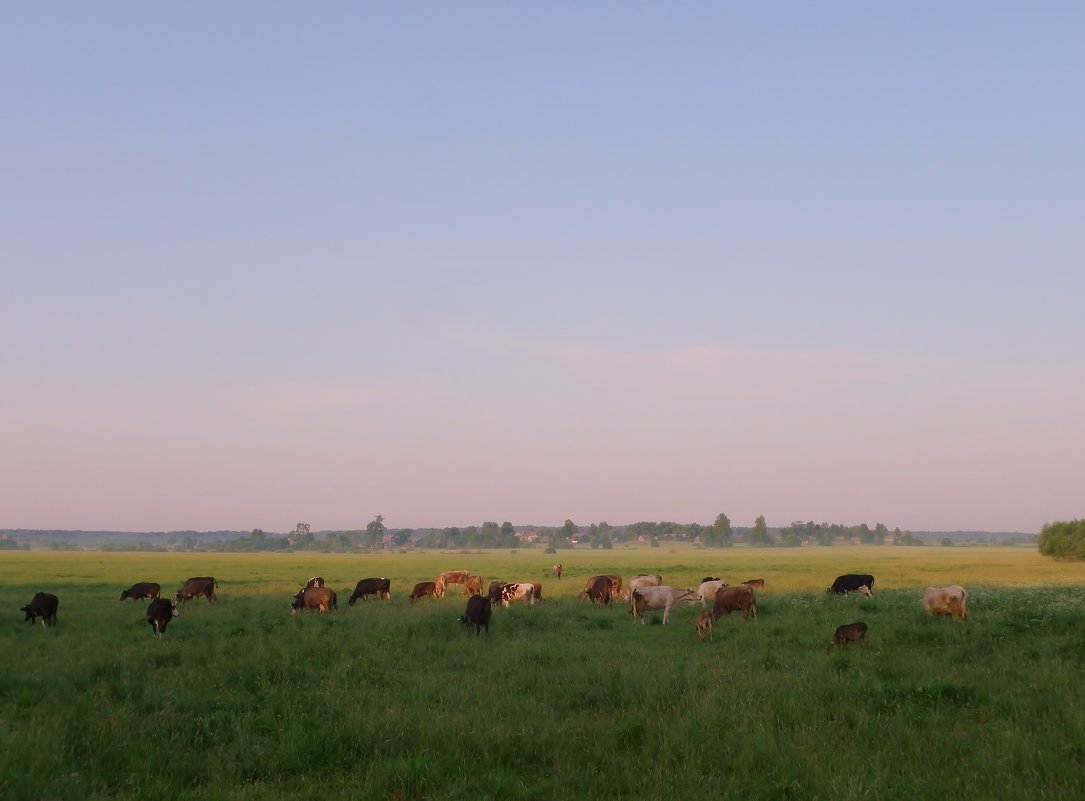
(266, 264)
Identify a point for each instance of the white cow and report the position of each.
(952, 601)
(708, 590)
(665, 598)
(636, 582)
(521, 591)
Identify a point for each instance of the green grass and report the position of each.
(395, 701)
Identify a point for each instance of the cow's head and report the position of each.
(865, 590)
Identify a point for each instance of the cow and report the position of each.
(710, 578)
(381, 587)
(477, 614)
(494, 591)
(423, 589)
(852, 582)
(538, 592)
(952, 601)
(43, 605)
(735, 599)
(450, 577)
(850, 632)
(709, 588)
(197, 586)
(598, 588)
(758, 584)
(322, 599)
(315, 581)
(473, 586)
(703, 624)
(636, 582)
(143, 589)
(665, 598)
(518, 591)
(159, 614)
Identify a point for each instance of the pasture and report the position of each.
(388, 700)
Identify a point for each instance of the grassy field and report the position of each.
(566, 700)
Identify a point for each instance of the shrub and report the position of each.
(1063, 540)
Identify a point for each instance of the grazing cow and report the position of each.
(709, 588)
(518, 591)
(43, 605)
(952, 601)
(197, 586)
(851, 632)
(322, 599)
(477, 614)
(703, 624)
(144, 589)
(473, 586)
(735, 599)
(852, 582)
(494, 592)
(423, 589)
(315, 581)
(538, 592)
(159, 614)
(450, 577)
(755, 584)
(636, 582)
(665, 598)
(598, 588)
(381, 587)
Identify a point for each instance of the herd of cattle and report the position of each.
(643, 593)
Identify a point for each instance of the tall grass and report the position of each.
(391, 700)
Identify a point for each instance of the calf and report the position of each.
(952, 601)
(423, 589)
(197, 586)
(852, 582)
(319, 599)
(665, 598)
(43, 605)
(144, 589)
(381, 587)
(735, 599)
(703, 624)
(598, 588)
(477, 614)
(159, 614)
(850, 632)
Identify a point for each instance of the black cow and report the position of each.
(159, 614)
(43, 605)
(381, 587)
(197, 586)
(144, 589)
(477, 614)
(851, 582)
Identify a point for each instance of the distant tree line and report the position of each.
(1064, 540)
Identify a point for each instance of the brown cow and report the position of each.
(755, 584)
(322, 599)
(952, 601)
(197, 586)
(473, 586)
(850, 632)
(450, 577)
(423, 589)
(143, 589)
(538, 592)
(598, 588)
(494, 592)
(735, 599)
(703, 624)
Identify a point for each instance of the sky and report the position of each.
(269, 263)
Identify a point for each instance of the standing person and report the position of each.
(557, 570)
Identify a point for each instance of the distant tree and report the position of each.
(569, 530)
(759, 534)
(881, 533)
(946, 542)
(507, 530)
(374, 532)
(720, 534)
(401, 537)
(896, 535)
(1063, 540)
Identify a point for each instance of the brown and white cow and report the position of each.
(197, 586)
(473, 586)
(318, 599)
(315, 581)
(518, 591)
(142, 589)
(665, 598)
(423, 589)
(735, 599)
(159, 614)
(951, 600)
(849, 632)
